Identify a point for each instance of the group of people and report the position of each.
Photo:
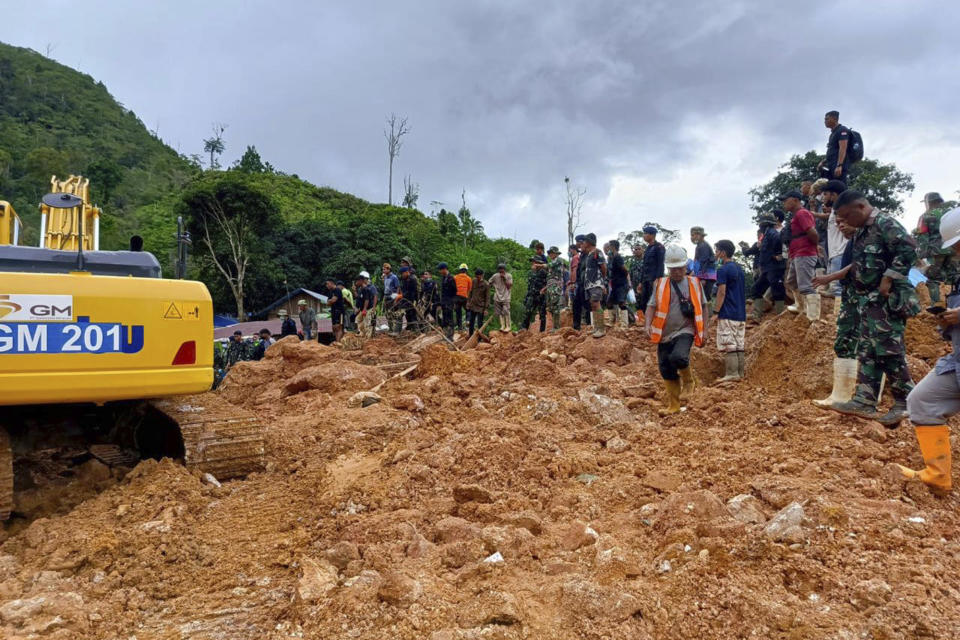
(825, 241)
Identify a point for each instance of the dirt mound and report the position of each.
(525, 489)
(438, 360)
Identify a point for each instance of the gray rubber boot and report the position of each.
(732, 364)
(742, 364)
(599, 324)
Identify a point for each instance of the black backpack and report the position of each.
(855, 147)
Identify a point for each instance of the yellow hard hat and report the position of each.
(303, 302)
(463, 266)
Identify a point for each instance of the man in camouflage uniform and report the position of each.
(846, 344)
(939, 265)
(554, 291)
(536, 301)
(883, 252)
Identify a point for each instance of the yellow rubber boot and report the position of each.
(673, 398)
(935, 448)
(689, 383)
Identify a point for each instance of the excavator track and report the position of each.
(6, 475)
(218, 438)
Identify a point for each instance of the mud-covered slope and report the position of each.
(525, 489)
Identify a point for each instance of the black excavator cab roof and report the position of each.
(139, 264)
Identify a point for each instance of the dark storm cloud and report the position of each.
(507, 98)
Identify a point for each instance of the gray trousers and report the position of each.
(934, 399)
(800, 274)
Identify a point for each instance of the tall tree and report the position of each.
(574, 198)
(214, 145)
(250, 162)
(447, 223)
(411, 193)
(396, 129)
(664, 235)
(470, 228)
(230, 219)
(884, 184)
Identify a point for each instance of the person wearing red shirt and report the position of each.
(803, 254)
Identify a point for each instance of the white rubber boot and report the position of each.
(844, 382)
(812, 304)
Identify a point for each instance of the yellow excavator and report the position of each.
(98, 344)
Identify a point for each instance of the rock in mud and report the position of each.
(363, 399)
(471, 493)
(609, 350)
(408, 402)
(787, 525)
(662, 481)
(617, 444)
(399, 590)
(334, 378)
(342, 554)
(317, 578)
(746, 509)
(578, 535)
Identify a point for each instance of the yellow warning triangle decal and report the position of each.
(172, 312)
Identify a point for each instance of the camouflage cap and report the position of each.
(553, 249)
(698, 230)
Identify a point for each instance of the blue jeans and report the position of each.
(835, 265)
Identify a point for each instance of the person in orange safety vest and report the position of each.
(676, 319)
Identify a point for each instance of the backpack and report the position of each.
(855, 147)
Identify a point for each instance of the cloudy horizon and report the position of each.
(665, 111)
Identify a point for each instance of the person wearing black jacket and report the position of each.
(409, 297)
(447, 287)
(288, 327)
(771, 265)
(652, 267)
(335, 302)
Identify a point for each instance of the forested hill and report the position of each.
(56, 121)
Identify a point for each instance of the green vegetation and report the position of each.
(55, 120)
(304, 233)
(883, 184)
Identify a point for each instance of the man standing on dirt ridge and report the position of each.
(937, 396)
(676, 319)
(847, 312)
(883, 253)
(938, 264)
(772, 267)
(502, 283)
(366, 304)
(535, 301)
(308, 320)
(554, 290)
(652, 267)
(594, 267)
(731, 310)
(803, 256)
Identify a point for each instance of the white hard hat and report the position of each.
(674, 256)
(950, 228)
(364, 274)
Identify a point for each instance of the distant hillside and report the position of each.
(55, 120)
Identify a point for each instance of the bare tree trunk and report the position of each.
(397, 128)
(574, 205)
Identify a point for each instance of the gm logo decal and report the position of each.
(24, 307)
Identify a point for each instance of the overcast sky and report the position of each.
(667, 110)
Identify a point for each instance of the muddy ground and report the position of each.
(524, 489)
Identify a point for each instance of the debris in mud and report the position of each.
(505, 493)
